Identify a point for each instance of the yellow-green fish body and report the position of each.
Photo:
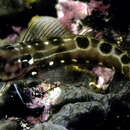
(46, 42)
(56, 51)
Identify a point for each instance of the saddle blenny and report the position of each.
(55, 51)
(46, 42)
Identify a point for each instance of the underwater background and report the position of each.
(62, 97)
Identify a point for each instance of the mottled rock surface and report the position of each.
(48, 126)
(77, 105)
(8, 125)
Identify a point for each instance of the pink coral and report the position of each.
(52, 94)
(14, 36)
(105, 75)
(69, 11)
(37, 120)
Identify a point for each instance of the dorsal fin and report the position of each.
(43, 26)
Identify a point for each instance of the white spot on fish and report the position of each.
(29, 46)
(36, 44)
(19, 60)
(34, 73)
(74, 60)
(17, 49)
(55, 40)
(66, 39)
(31, 61)
(46, 43)
(87, 61)
(51, 63)
(25, 60)
(21, 48)
(17, 44)
(62, 61)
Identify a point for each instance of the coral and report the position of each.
(69, 11)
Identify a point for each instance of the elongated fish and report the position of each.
(56, 51)
(47, 43)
